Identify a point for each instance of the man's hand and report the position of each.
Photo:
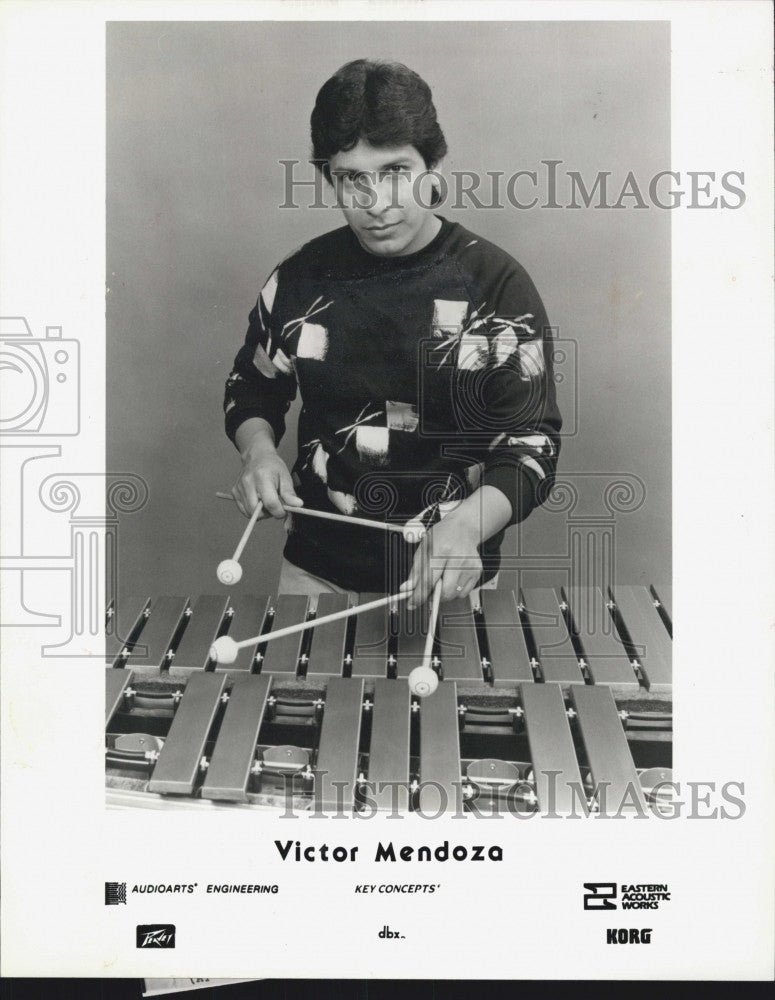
(264, 475)
(448, 552)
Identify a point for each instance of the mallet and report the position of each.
(412, 531)
(424, 680)
(225, 649)
(229, 571)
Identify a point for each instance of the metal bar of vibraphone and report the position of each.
(249, 613)
(555, 767)
(116, 682)
(509, 655)
(664, 595)
(606, 658)
(412, 629)
(153, 643)
(127, 620)
(177, 768)
(336, 769)
(204, 621)
(327, 652)
(228, 772)
(648, 633)
(554, 649)
(606, 747)
(459, 647)
(440, 782)
(282, 656)
(388, 772)
(370, 649)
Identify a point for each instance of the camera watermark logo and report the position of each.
(463, 365)
(40, 381)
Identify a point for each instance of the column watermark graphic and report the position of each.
(41, 409)
(93, 503)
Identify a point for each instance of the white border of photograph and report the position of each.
(522, 918)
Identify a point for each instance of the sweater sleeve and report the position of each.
(262, 382)
(515, 395)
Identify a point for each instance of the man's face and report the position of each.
(380, 192)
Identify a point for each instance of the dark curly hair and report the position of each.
(385, 103)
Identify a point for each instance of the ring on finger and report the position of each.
(468, 586)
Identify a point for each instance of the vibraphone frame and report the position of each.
(563, 689)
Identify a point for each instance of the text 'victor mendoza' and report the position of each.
(293, 850)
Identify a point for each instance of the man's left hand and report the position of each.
(448, 552)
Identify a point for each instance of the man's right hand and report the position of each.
(264, 476)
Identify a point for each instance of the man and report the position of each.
(420, 352)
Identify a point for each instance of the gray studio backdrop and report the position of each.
(198, 116)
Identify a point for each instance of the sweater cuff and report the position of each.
(517, 484)
(237, 416)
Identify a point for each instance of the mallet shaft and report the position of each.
(361, 522)
(246, 533)
(336, 616)
(432, 619)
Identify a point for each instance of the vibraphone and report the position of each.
(541, 694)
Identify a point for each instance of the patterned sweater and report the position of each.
(421, 378)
